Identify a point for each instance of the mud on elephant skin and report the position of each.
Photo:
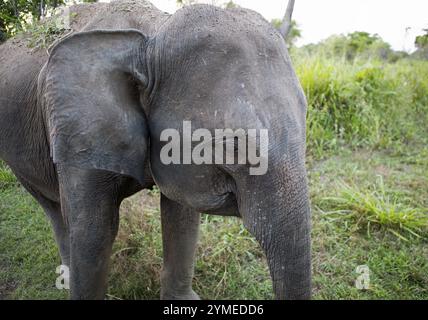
(84, 117)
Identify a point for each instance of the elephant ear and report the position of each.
(90, 90)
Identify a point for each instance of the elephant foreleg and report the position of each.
(62, 237)
(89, 199)
(180, 227)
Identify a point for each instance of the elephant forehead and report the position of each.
(230, 32)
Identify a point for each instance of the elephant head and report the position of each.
(106, 92)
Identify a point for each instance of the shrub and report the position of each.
(364, 103)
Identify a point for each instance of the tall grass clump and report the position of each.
(7, 179)
(375, 208)
(363, 103)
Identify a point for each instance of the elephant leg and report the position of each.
(90, 202)
(180, 228)
(62, 236)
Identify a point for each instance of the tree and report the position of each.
(15, 15)
(9, 16)
(295, 32)
(421, 42)
(230, 5)
(362, 45)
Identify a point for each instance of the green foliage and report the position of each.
(21, 15)
(230, 5)
(44, 33)
(7, 179)
(348, 102)
(356, 45)
(374, 208)
(154, 191)
(15, 15)
(295, 32)
(351, 188)
(422, 41)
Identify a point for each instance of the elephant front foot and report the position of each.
(176, 295)
(177, 287)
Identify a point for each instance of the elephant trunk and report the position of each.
(280, 220)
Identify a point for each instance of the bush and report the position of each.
(364, 103)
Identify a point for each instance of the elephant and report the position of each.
(83, 127)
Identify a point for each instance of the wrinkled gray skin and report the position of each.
(78, 137)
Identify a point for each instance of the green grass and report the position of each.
(28, 254)
(368, 174)
(367, 209)
(341, 243)
(363, 104)
(7, 179)
(230, 264)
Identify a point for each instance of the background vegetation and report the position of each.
(367, 138)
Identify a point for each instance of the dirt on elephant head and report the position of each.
(119, 14)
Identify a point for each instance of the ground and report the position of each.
(368, 208)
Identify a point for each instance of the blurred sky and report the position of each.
(319, 19)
